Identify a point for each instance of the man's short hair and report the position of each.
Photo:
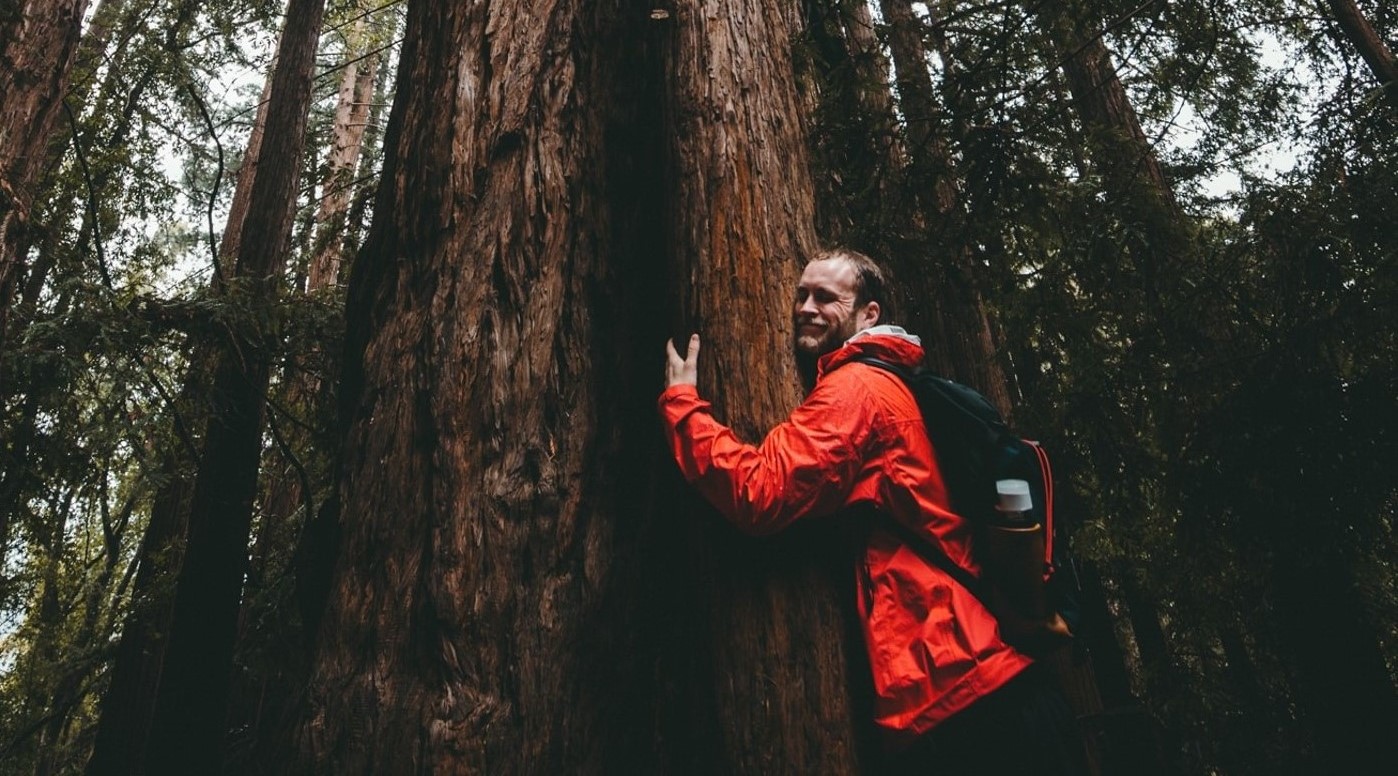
(872, 282)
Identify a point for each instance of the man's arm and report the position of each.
(805, 467)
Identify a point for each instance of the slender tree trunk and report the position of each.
(1370, 46)
(262, 698)
(37, 47)
(1163, 679)
(461, 634)
(128, 705)
(75, 669)
(1123, 737)
(1160, 240)
(337, 189)
(123, 726)
(859, 161)
(1343, 688)
(1117, 144)
(943, 287)
(48, 635)
(284, 490)
(231, 240)
(188, 725)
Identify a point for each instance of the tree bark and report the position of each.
(337, 189)
(943, 286)
(230, 242)
(741, 222)
(461, 634)
(1370, 46)
(188, 724)
(1343, 687)
(37, 48)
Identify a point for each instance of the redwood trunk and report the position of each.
(128, 703)
(942, 287)
(187, 730)
(462, 627)
(337, 189)
(741, 222)
(37, 48)
(1160, 239)
(1370, 46)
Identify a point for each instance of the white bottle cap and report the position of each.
(1014, 496)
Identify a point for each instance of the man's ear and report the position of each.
(870, 315)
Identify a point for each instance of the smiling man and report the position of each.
(950, 695)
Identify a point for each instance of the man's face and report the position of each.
(825, 313)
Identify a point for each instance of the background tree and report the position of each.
(187, 728)
(37, 44)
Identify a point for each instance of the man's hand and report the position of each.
(682, 371)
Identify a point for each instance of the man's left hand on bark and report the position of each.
(682, 370)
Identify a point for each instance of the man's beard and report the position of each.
(808, 357)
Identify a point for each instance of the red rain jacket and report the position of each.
(859, 439)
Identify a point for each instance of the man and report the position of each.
(946, 686)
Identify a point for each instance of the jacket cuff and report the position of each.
(677, 391)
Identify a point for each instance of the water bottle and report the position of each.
(1015, 563)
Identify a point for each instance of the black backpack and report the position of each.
(975, 449)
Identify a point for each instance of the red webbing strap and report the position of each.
(1047, 471)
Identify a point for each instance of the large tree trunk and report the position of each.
(188, 725)
(742, 221)
(461, 634)
(37, 46)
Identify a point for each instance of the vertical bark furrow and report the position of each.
(741, 225)
(462, 593)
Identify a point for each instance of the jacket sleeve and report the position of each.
(806, 466)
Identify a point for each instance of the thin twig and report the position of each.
(91, 198)
(218, 178)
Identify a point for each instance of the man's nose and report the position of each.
(807, 305)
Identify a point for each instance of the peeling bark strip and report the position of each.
(742, 221)
(37, 45)
(473, 546)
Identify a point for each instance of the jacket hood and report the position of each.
(886, 343)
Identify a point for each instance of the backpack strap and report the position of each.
(918, 543)
(941, 386)
(1047, 473)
